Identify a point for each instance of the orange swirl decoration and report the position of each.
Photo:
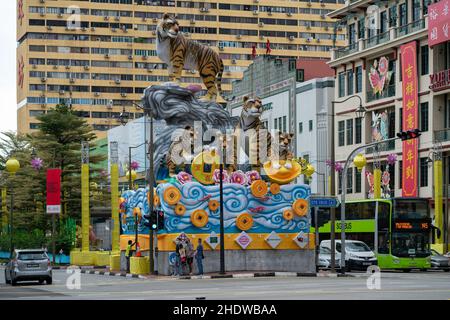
(199, 218)
(172, 195)
(258, 188)
(288, 214)
(213, 205)
(274, 188)
(180, 209)
(300, 207)
(244, 221)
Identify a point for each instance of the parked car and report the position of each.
(357, 254)
(439, 261)
(27, 265)
(324, 261)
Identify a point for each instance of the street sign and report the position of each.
(323, 202)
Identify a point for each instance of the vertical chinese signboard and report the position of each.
(438, 22)
(54, 191)
(410, 118)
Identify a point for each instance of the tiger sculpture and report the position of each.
(251, 119)
(180, 53)
(285, 153)
(181, 152)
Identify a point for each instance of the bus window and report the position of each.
(410, 209)
(410, 244)
(383, 242)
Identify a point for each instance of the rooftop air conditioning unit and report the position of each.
(117, 81)
(72, 80)
(130, 57)
(97, 94)
(62, 92)
(255, 12)
(106, 18)
(86, 67)
(43, 79)
(233, 61)
(261, 24)
(291, 38)
(123, 94)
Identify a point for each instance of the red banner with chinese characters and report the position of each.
(54, 191)
(438, 22)
(410, 118)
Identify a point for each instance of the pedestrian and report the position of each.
(183, 257)
(178, 270)
(128, 254)
(190, 253)
(199, 257)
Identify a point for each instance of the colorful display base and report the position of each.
(266, 212)
(82, 258)
(114, 262)
(102, 258)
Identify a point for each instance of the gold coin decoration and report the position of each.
(213, 205)
(300, 207)
(244, 221)
(258, 188)
(274, 188)
(172, 195)
(199, 218)
(288, 214)
(180, 209)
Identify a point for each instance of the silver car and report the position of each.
(439, 261)
(324, 260)
(26, 265)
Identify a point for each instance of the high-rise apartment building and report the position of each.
(99, 55)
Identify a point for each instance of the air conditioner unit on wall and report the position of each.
(97, 94)
(123, 94)
(86, 67)
(233, 61)
(72, 80)
(291, 38)
(255, 12)
(61, 92)
(117, 81)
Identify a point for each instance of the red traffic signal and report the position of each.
(410, 134)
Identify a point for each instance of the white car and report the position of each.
(357, 254)
(324, 261)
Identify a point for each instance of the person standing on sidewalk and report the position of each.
(128, 253)
(178, 269)
(190, 253)
(199, 257)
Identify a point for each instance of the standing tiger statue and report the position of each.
(180, 53)
(250, 128)
(181, 152)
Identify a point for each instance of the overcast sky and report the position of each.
(8, 62)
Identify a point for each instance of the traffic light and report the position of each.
(160, 220)
(152, 220)
(410, 134)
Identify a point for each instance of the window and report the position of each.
(358, 130)
(341, 133)
(415, 10)
(310, 125)
(424, 116)
(357, 180)
(349, 131)
(358, 79)
(34, 125)
(425, 4)
(393, 16)
(300, 127)
(403, 14)
(424, 60)
(349, 181)
(350, 82)
(423, 172)
(361, 26)
(341, 87)
(383, 22)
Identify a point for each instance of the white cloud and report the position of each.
(8, 80)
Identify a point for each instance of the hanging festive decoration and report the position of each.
(37, 163)
(379, 76)
(337, 166)
(134, 165)
(391, 159)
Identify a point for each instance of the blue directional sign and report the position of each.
(324, 202)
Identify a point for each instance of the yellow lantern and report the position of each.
(133, 175)
(12, 166)
(359, 161)
(309, 170)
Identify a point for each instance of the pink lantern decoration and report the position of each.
(134, 165)
(392, 159)
(37, 163)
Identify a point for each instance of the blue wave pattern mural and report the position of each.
(237, 199)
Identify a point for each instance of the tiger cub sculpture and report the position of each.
(181, 152)
(285, 153)
(250, 119)
(180, 53)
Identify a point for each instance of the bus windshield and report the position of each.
(410, 209)
(410, 244)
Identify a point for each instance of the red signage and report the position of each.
(440, 80)
(54, 191)
(410, 118)
(438, 22)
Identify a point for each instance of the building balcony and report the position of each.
(342, 52)
(409, 28)
(382, 147)
(442, 135)
(389, 91)
(376, 40)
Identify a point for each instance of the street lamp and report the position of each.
(12, 166)
(360, 113)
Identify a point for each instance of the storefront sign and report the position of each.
(410, 118)
(54, 191)
(440, 80)
(438, 22)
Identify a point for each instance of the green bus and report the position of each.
(398, 230)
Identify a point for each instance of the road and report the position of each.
(414, 285)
